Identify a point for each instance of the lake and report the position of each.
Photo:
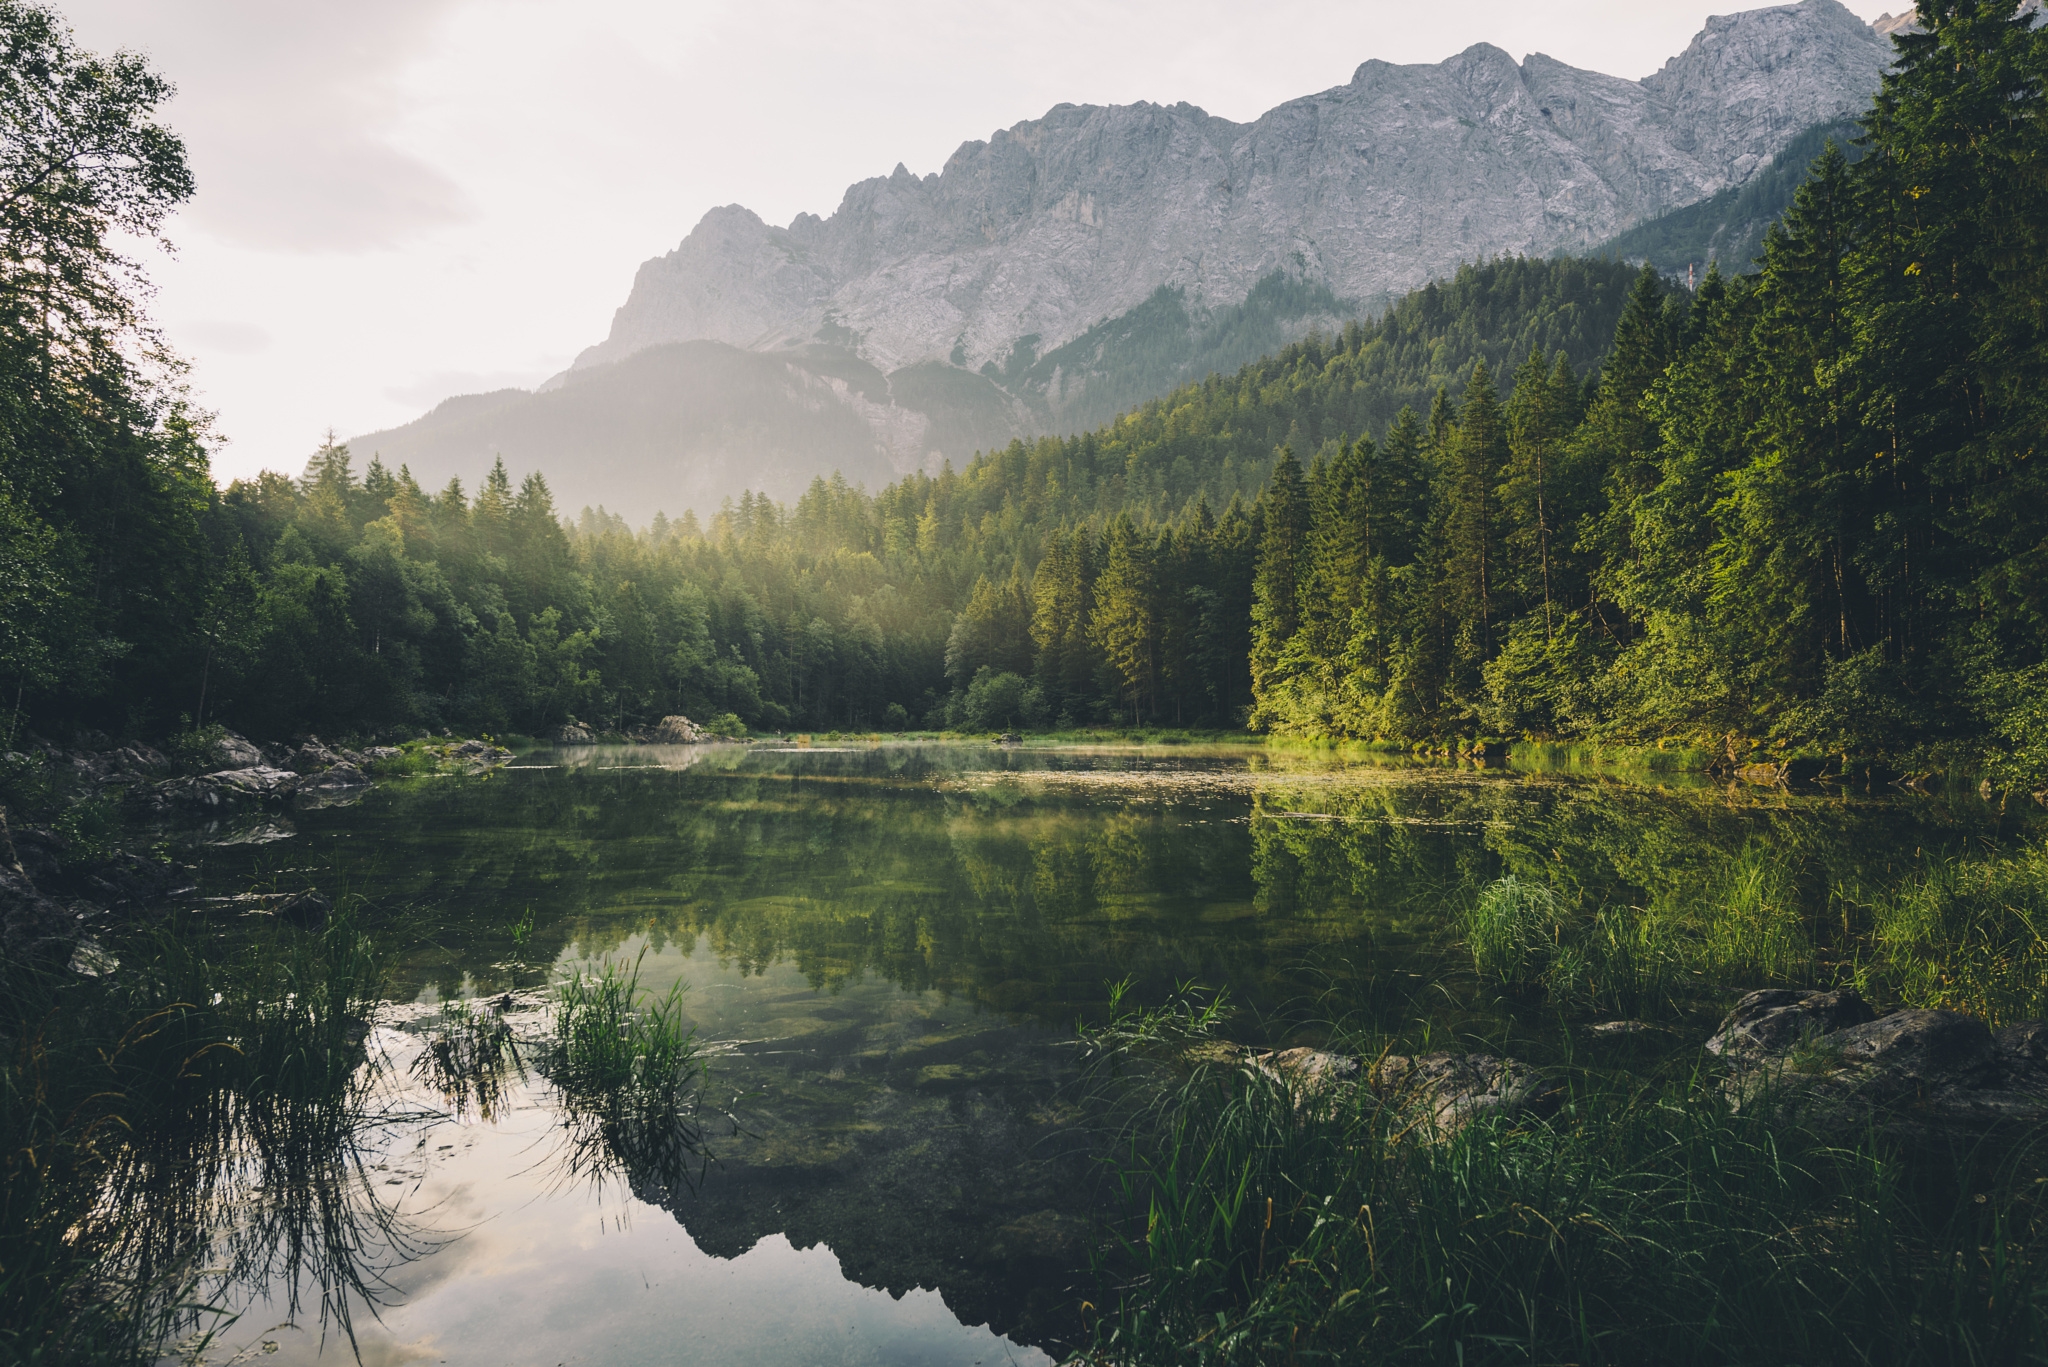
(887, 950)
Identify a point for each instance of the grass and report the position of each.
(1967, 935)
(1257, 1223)
(630, 1073)
(154, 1117)
(469, 1059)
(1512, 927)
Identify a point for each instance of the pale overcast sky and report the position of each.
(401, 200)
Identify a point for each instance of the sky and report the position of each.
(402, 200)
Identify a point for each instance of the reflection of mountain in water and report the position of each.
(924, 1143)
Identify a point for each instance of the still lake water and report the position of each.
(887, 950)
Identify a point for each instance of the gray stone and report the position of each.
(237, 753)
(1448, 1091)
(341, 775)
(1773, 1019)
(312, 757)
(680, 730)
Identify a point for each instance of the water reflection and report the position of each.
(887, 948)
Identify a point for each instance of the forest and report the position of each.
(1546, 499)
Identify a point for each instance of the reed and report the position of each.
(1259, 1222)
(630, 1071)
(193, 1114)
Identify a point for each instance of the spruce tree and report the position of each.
(1276, 582)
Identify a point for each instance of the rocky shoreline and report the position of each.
(58, 888)
(1826, 1060)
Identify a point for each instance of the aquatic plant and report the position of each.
(470, 1056)
(1966, 934)
(1513, 927)
(198, 1114)
(630, 1073)
(1260, 1221)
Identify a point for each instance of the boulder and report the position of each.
(311, 757)
(572, 733)
(235, 752)
(342, 775)
(1922, 1075)
(1772, 1020)
(226, 787)
(680, 731)
(1310, 1070)
(1448, 1091)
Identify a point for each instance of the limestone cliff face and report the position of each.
(1369, 189)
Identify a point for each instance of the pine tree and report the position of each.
(1276, 583)
(1124, 625)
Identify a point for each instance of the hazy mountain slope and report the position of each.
(1729, 228)
(1075, 265)
(687, 424)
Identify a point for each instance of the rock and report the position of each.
(312, 757)
(1449, 1091)
(1927, 1076)
(235, 752)
(309, 908)
(228, 786)
(1310, 1070)
(680, 731)
(31, 924)
(377, 753)
(1773, 1019)
(574, 733)
(340, 775)
(1619, 1029)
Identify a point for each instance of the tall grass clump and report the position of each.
(1751, 924)
(192, 1113)
(1513, 927)
(630, 1072)
(1967, 935)
(1260, 1220)
(1740, 923)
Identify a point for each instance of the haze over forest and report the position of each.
(1074, 266)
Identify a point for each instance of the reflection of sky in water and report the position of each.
(545, 1271)
(885, 949)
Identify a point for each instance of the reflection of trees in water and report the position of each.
(927, 869)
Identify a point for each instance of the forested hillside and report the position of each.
(1800, 506)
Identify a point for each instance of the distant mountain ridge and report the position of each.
(1076, 264)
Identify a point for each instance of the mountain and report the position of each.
(1729, 227)
(1071, 265)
